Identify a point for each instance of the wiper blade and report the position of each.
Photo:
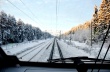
(82, 58)
(79, 62)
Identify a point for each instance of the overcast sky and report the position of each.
(70, 12)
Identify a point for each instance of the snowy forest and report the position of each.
(13, 31)
(86, 39)
(99, 23)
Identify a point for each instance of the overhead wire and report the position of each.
(29, 9)
(21, 11)
(56, 15)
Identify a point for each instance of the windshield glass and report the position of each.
(41, 30)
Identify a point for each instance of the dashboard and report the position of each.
(44, 69)
(12, 64)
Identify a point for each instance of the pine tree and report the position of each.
(12, 31)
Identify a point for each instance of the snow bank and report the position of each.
(92, 51)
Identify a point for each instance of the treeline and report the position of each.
(13, 31)
(81, 33)
(83, 26)
(100, 23)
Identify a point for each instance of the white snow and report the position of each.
(30, 50)
(56, 52)
(70, 51)
(40, 53)
(45, 56)
(14, 48)
(37, 51)
(94, 50)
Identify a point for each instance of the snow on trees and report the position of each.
(99, 25)
(3, 25)
(12, 31)
(81, 35)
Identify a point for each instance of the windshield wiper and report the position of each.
(74, 59)
(79, 62)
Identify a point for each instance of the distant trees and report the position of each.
(12, 31)
(81, 35)
(99, 22)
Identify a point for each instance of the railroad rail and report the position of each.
(52, 52)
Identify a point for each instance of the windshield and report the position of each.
(42, 30)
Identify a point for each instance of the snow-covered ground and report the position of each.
(45, 56)
(14, 48)
(56, 52)
(94, 50)
(71, 51)
(39, 51)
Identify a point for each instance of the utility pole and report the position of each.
(70, 36)
(65, 37)
(45, 34)
(60, 35)
(91, 34)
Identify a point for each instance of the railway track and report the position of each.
(53, 51)
(28, 49)
(31, 54)
(34, 57)
(60, 52)
(44, 52)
